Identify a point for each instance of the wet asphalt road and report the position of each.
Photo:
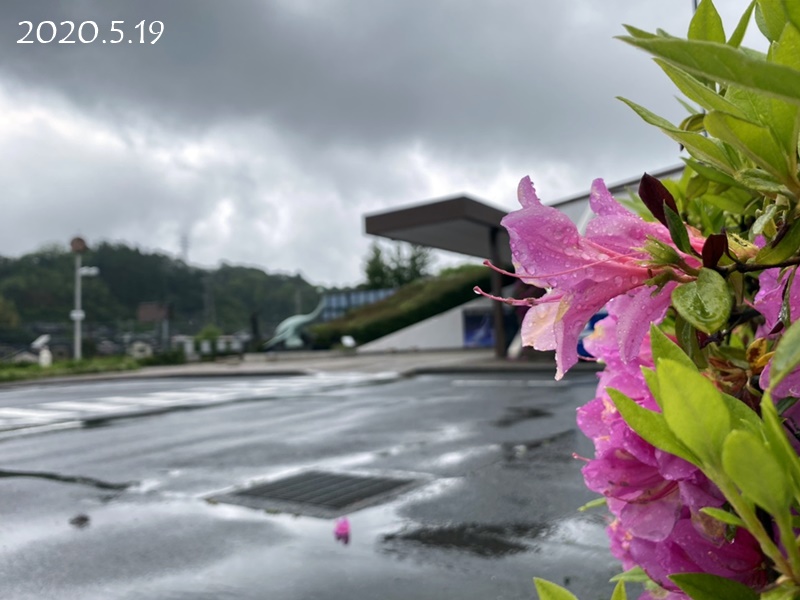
(497, 504)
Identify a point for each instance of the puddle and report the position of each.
(518, 414)
(515, 452)
(485, 541)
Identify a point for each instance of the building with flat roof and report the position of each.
(472, 227)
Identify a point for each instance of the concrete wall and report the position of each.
(445, 331)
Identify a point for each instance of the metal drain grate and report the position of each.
(318, 493)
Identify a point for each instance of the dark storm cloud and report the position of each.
(354, 72)
(250, 117)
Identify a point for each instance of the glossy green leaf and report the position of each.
(741, 28)
(634, 575)
(724, 64)
(696, 91)
(651, 379)
(677, 230)
(619, 592)
(551, 591)
(694, 411)
(651, 426)
(664, 348)
(723, 516)
(756, 471)
(787, 247)
(702, 586)
(755, 141)
(792, 10)
(711, 173)
(696, 144)
(706, 303)
(596, 503)
(760, 181)
(770, 18)
(775, 434)
(784, 117)
(726, 203)
(706, 24)
(687, 338)
(639, 33)
(787, 355)
(761, 222)
(742, 416)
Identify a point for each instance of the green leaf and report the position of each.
(742, 416)
(651, 426)
(596, 503)
(787, 247)
(760, 181)
(770, 18)
(761, 222)
(706, 24)
(651, 380)
(551, 591)
(705, 303)
(696, 144)
(702, 586)
(775, 434)
(619, 592)
(698, 92)
(754, 141)
(784, 117)
(677, 231)
(725, 64)
(723, 516)
(687, 338)
(792, 9)
(741, 28)
(755, 469)
(694, 411)
(711, 173)
(634, 575)
(665, 349)
(787, 355)
(725, 203)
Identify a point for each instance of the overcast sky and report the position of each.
(263, 130)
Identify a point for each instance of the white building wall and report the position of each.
(444, 331)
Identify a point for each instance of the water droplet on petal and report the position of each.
(618, 280)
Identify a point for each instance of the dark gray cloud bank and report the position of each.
(264, 130)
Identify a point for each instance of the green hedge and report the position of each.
(412, 303)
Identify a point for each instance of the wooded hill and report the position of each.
(37, 293)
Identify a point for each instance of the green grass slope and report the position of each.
(412, 303)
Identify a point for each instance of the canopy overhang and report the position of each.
(459, 224)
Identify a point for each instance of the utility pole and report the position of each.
(78, 247)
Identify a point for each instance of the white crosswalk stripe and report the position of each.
(63, 412)
(85, 406)
(33, 414)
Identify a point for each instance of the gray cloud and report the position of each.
(267, 128)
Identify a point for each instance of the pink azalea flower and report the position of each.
(769, 301)
(655, 497)
(583, 273)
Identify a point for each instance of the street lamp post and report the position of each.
(78, 246)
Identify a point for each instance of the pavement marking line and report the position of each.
(31, 414)
(140, 401)
(84, 406)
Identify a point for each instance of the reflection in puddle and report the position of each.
(517, 414)
(514, 452)
(486, 541)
